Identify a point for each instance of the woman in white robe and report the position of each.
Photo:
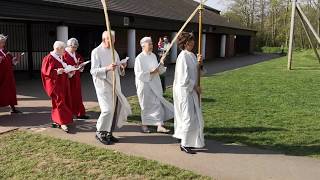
(101, 71)
(155, 109)
(188, 121)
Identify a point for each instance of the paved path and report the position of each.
(219, 160)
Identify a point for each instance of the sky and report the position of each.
(217, 4)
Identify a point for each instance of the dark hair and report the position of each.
(184, 38)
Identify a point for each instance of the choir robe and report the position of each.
(102, 79)
(57, 88)
(155, 109)
(8, 92)
(188, 121)
(75, 84)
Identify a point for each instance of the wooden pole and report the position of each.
(318, 20)
(200, 48)
(179, 32)
(293, 13)
(306, 20)
(309, 36)
(105, 8)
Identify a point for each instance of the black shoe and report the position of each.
(187, 150)
(179, 141)
(65, 128)
(55, 125)
(14, 111)
(114, 139)
(104, 139)
(83, 117)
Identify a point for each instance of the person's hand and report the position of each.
(71, 74)
(81, 69)
(155, 71)
(124, 65)
(111, 67)
(199, 58)
(60, 70)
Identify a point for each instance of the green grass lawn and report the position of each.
(264, 105)
(31, 156)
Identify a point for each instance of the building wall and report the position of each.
(213, 45)
(230, 50)
(43, 34)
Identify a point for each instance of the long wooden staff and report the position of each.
(200, 48)
(180, 31)
(105, 8)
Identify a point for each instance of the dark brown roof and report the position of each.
(167, 9)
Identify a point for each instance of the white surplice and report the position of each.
(188, 121)
(155, 109)
(100, 58)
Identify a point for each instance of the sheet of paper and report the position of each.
(83, 64)
(123, 61)
(70, 68)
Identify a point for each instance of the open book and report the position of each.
(70, 68)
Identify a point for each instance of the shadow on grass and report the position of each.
(311, 68)
(249, 142)
(239, 130)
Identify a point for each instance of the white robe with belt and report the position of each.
(155, 109)
(100, 58)
(188, 121)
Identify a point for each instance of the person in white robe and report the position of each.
(155, 109)
(188, 121)
(102, 74)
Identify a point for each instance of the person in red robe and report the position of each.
(8, 93)
(55, 81)
(71, 57)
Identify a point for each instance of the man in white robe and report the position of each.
(155, 109)
(101, 70)
(188, 122)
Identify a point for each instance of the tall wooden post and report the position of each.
(105, 8)
(180, 31)
(200, 48)
(304, 25)
(306, 20)
(293, 13)
(318, 20)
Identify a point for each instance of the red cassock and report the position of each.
(75, 85)
(58, 89)
(8, 94)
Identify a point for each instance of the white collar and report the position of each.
(1, 50)
(73, 55)
(189, 52)
(58, 58)
(146, 53)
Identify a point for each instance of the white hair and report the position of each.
(72, 42)
(106, 34)
(3, 37)
(59, 45)
(145, 40)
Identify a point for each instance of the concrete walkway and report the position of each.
(218, 160)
